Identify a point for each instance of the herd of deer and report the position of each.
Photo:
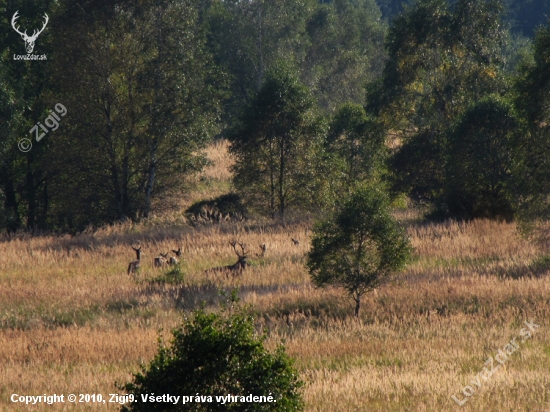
(234, 270)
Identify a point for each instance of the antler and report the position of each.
(15, 17)
(35, 33)
(243, 249)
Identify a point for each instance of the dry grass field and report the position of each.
(73, 321)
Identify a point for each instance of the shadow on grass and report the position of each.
(538, 268)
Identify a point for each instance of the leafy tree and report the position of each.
(139, 88)
(217, 355)
(359, 247)
(531, 172)
(23, 85)
(248, 38)
(275, 145)
(480, 161)
(344, 51)
(358, 143)
(336, 46)
(441, 60)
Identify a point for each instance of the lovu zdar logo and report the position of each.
(29, 40)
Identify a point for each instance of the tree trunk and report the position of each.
(259, 47)
(272, 172)
(31, 196)
(357, 305)
(150, 180)
(11, 206)
(282, 165)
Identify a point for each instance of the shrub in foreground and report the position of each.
(214, 355)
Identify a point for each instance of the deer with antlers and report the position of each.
(29, 40)
(236, 268)
(134, 265)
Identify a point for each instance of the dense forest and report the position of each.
(523, 17)
(442, 103)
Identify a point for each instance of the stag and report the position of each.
(134, 266)
(29, 40)
(237, 267)
(175, 260)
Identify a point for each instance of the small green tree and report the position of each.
(359, 247)
(218, 355)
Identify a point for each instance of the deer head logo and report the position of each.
(29, 40)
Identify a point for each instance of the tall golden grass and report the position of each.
(72, 321)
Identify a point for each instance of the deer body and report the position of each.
(236, 268)
(263, 248)
(134, 265)
(161, 260)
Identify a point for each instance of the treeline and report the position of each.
(309, 94)
(523, 17)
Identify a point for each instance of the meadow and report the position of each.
(73, 321)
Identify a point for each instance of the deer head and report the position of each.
(263, 248)
(242, 255)
(138, 252)
(29, 40)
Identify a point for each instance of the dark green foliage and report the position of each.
(23, 85)
(137, 83)
(524, 17)
(228, 204)
(442, 59)
(175, 276)
(336, 46)
(145, 84)
(138, 86)
(359, 247)
(275, 145)
(531, 188)
(419, 166)
(358, 144)
(345, 51)
(480, 161)
(216, 355)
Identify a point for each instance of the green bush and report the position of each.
(174, 276)
(213, 355)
